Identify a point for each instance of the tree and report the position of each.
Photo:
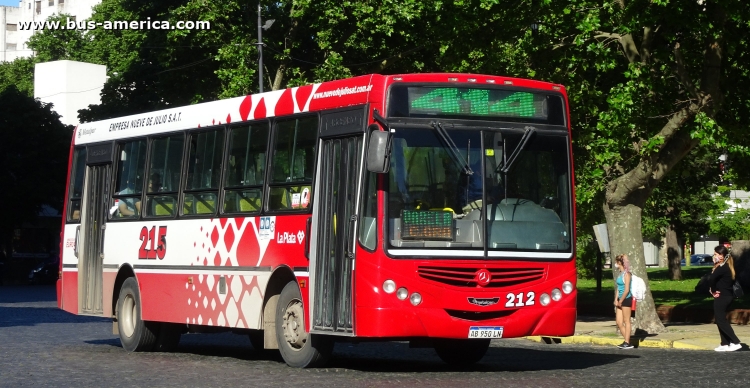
(649, 82)
(59, 44)
(682, 203)
(18, 73)
(33, 158)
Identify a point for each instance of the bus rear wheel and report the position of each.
(461, 352)
(298, 348)
(136, 335)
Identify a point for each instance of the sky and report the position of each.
(12, 3)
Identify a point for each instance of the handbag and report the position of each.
(737, 290)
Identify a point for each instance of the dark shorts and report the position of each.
(628, 302)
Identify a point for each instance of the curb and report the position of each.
(586, 339)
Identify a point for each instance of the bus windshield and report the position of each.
(434, 203)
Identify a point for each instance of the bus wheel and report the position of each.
(461, 352)
(136, 335)
(299, 348)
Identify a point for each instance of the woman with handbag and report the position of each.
(721, 281)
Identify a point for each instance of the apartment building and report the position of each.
(13, 39)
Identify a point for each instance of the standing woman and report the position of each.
(721, 280)
(623, 300)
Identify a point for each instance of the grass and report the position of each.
(680, 293)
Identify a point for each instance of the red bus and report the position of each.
(431, 208)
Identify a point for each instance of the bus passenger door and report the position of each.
(91, 238)
(333, 238)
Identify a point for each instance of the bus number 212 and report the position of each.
(157, 239)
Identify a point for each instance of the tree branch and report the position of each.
(682, 73)
(711, 82)
(288, 41)
(654, 167)
(648, 38)
(626, 41)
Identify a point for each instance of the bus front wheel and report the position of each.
(461, 352)
(299, 348)
(136, 335)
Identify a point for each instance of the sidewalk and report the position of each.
(692, 336)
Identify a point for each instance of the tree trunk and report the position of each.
(741, 258)
(673, 254)
(624, 228)
(663, 253)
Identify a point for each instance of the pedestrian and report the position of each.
(623, 300)
(721, 280)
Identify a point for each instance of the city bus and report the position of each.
(431, 208)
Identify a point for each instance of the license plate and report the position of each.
(486, 332)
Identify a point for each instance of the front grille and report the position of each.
(479, 315)
(466, 277)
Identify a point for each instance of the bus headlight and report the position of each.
(389, 286)
(544, 299)
(556, 294)
(567, 287)
(415, 299)
(402, 293)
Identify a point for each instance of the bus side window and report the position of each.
(75, 190)
(293, 162)
(246, 167)
(204, 169)
(129, 183)
(164, 176)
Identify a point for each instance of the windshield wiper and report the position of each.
(455, 153)
(529, 130)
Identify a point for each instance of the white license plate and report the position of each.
(486, 332)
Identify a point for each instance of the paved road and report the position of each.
(43, 346)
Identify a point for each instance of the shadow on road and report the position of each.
(497, 359)
(27, 294)
(397, 357)
(31, 316)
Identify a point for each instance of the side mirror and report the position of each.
(379, 152)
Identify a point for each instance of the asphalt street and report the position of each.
(43, 346)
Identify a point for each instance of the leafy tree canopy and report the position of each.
(33, 157)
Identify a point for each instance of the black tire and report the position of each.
(136, 335)
(461, 352)
(169, 337)
(298, 348)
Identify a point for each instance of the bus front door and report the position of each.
(93, 223)
(333, 239)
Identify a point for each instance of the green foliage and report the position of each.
(59, 44)
(33, 158)
(734, 225)
(621, 96)
(685, 198)
(18, 74)
(586, 255)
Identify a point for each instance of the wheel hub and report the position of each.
(293, 325)
(127, 320)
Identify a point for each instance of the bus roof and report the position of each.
(307, 98)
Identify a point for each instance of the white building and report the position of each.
(70, 86)
(738, 199)
(13, 39)
(9, 33)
